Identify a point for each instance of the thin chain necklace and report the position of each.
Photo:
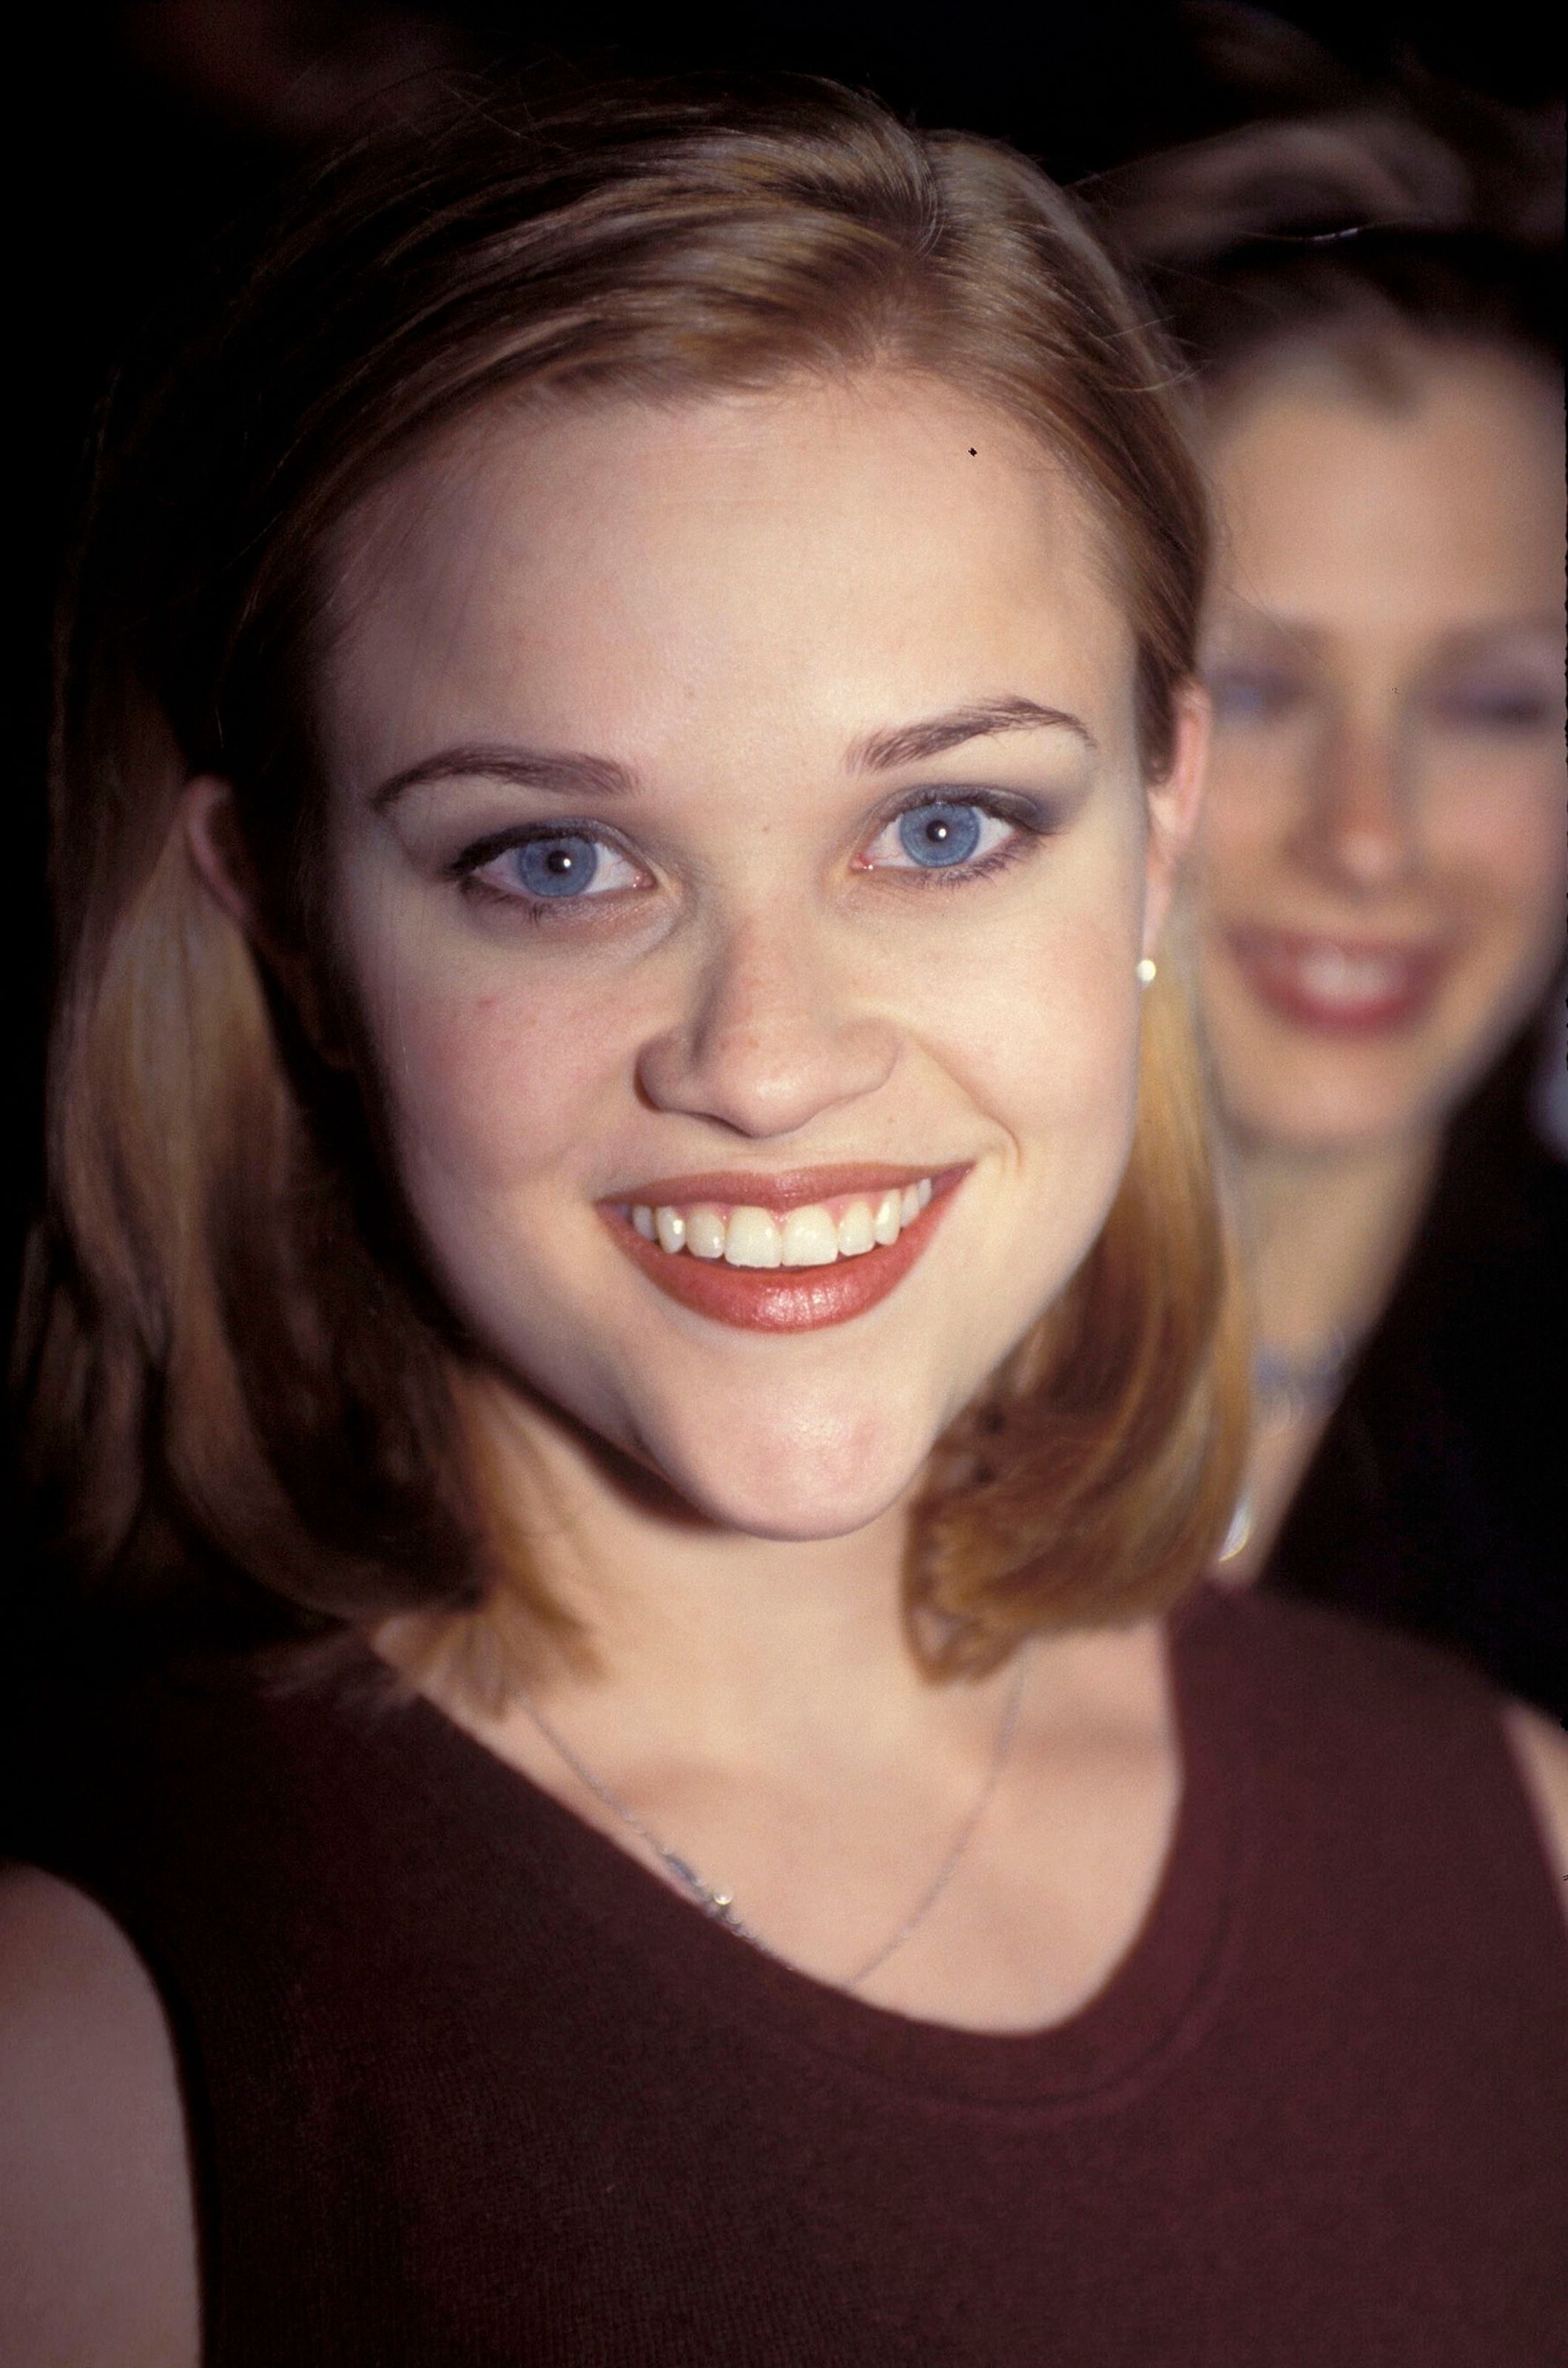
(1285, 1388)
(1288, 1389)
(721, 1904)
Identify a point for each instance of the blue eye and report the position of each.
(940, 834)
(953, 834)
(555, 867)
(1496, 707)
(1251, 695)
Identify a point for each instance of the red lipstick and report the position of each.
(780, 1298)
(1339, 986)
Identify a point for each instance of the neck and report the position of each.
(1326, 1232)
(735, 1643)
(754, 1705)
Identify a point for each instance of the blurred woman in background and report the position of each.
(1380, 906)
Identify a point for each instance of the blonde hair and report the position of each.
(238, 1382)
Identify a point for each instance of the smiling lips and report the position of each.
(1340, 985)
(782, 1253)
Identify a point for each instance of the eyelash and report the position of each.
(464, 869)
(1256, 697)
(1028, 818)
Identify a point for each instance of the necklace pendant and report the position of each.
(1240, 1531)
(719, 1903)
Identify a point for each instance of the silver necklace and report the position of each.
(1288, 1389)
(1284, 1387)
(721, 1904)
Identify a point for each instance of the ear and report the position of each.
(1174, 804)
(212, 835)
(213, 839)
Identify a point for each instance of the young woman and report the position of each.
(1384, 872)
(626, 1213)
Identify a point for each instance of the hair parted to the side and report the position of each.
(237, 1378)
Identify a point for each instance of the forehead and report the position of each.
(801, 557)
(1444, 495)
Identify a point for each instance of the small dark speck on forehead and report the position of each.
(971, 451)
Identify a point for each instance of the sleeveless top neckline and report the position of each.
(1153, 2000)
(465, 2082)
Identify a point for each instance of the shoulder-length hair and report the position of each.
(236, 1375)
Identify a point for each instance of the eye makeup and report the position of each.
(1251, 695)
(1507, 705)
(938, 835)
(546, 868)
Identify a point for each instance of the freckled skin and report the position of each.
(1387, 564)
(724, 596)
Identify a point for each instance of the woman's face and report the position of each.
(1383, 873)
(739, 837)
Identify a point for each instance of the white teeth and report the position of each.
(1343, 977)
(705, 1233)
(671, 1227)
(1337, 977)
(810, 1238)
(751, 1239)
(855, 1234)
(805, 1236)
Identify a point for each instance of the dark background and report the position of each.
(145, 126)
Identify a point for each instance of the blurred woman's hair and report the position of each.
(1346, 218)
(239, 1383)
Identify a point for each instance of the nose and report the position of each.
(1360, 827)
(767, 1042)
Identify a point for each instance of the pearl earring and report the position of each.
(1146, 971)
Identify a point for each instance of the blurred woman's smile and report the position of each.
(1352, 986)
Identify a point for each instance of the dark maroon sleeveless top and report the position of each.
(466, 2085)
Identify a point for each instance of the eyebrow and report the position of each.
(574, 775)
(1252, 627)
(568, 776)
(1487, 632)
(912, 743)
(1239, 627)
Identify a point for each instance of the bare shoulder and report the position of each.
(97, 2250)
(1541, 1749)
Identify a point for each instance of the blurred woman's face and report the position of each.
(741, 863)
(1384, 869)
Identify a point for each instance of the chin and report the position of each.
(1292, 1089)
(1322, 1099)
(808, 1474)
(1337, 1118)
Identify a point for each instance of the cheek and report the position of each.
(1248, 802)
(1039, 1031)
(486, 1081)
(1502, 834)
(491, 1088)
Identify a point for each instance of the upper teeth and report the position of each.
(813, 1236)
(1339, 977)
